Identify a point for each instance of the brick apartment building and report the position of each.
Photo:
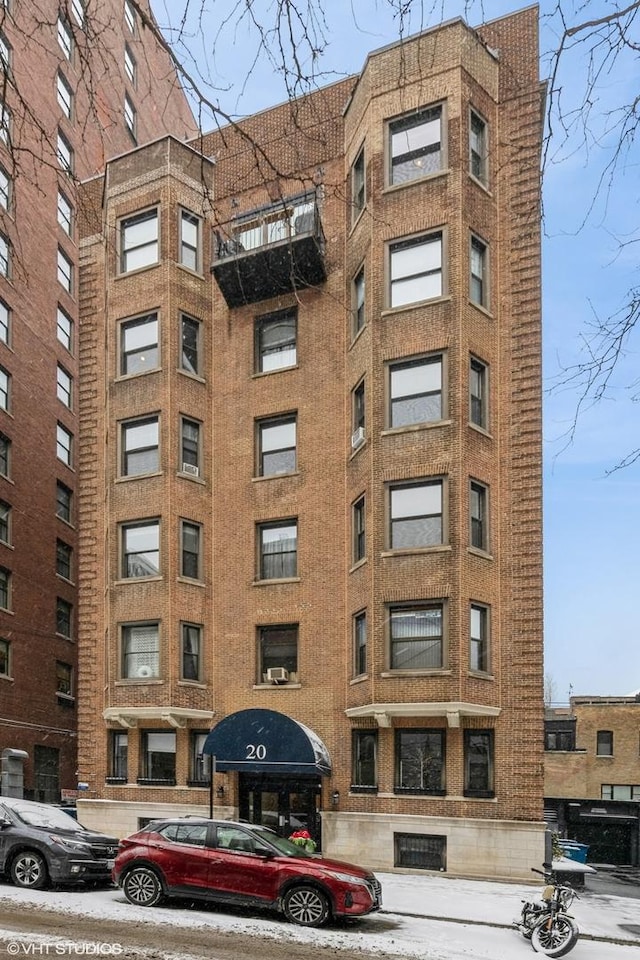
(592, 775)
(77, 88)
(310, 463)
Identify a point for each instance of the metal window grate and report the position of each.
(420, 851)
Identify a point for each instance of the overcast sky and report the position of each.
(592, 516)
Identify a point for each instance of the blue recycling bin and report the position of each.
(574, 850)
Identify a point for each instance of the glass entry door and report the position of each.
(284, 804)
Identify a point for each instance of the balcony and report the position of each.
(275, 251)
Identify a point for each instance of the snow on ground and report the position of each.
(406, 926)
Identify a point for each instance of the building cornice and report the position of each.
(453, 710)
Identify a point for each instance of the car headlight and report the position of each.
(346, 878)
(78, 846)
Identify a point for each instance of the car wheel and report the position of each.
(306, 906)
(142, 887)
(29, 869)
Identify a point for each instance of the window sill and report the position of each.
(66, 700)
(289, 685)
(192, 581)
(479, 429)
(482, 309)
(604, 756)
(268, 583)
(6, 678)
(358, 564)
(361, 446)
(427, 178)
(122, 274)
(481, 675)
(138, 476)
(126, 377)
(413, 427)
(258, 374)
(190, 476)
(128, 580)
(275, 476)
(479, 183)
(64, 579)
(357, 335)
(191, 376)
(417, 551)
(356, 220)
(482, 554)
(129, 681)
(416, 304)
(400, 674)
(359, 679)
(198, 684)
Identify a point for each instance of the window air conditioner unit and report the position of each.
(191, 468)
(277, 675)
(144, 671)
(357, 437)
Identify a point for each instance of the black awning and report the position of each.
(264, 741)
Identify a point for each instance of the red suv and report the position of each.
(226, 862)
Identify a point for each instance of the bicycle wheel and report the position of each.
(555, 937)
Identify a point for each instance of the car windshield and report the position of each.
(283, 846)
(42, 815)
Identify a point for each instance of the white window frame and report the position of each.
(130, 65)
(416, 261)
(5, 256)
(65, 271)
(479, 271)
(130, 116)
(143, 530)
(190, 253)
(277, 436)
(479, 638)
(64, 153)
(65, 214)
(130, 17)
(148, 247)
(133, 449)
(5, 390)
(412, 145)
(412, 507)
(64, 444)
(64, 387)
(65, 38)
(427, 365)
(5, 323)
(64, 328)
(478, 148)
(146, 661)
(64, 94)
(77, 9)
(139, 338)
(358, 185)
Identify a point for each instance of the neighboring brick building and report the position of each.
(592, 775)
(311, 519)
(65, 87)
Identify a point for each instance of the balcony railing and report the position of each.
(278, 250)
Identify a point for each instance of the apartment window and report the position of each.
(5, 189)
(358, 415)
(416, 635)
(478, 509)
(190, 230)
(5, 53)
(478, 147)
(276, 341)
(360, 644)
(130, 66)
(479, 638)
(140, 651)
(364, 760)
(130, 16)
(65, 271)
(5, 390)
(278, 648)
(5, 456)
(5, 522)
(5, 658)
(276, 446)
(559, 740)
(118, 755)
(190, 456)
(139, 241)
(64, 94)
(5, 588)
(64, 441)
(278, 550)
(604, 743)
(359, 530)
(130, 116)
(65, 214)
(416, 515)
(77, 8)
(5, 123)
(358, 190)
(417, 851)
(478, 393)
(158, 757)
(64, 386)
(5, 256)
(420, 761)
(64, 679)
(141, 549)
(5, 323)
(64, 152)
(191, 548)
(358, 301)
(608, 791)
(139, 345)
(64, 618)
(140, 450)
(416, 144)
(415, 391)
(190, 352)
(478, 763)
(65, 38)
(479, 272)
(64, 558)
(415, 270)
(64, 329)
(191, 652)
(198, 760)
(64, 501)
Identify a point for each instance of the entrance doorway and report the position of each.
(285, 804)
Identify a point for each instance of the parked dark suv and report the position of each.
(218, 860)
(41, 844)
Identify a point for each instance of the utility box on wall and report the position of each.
(13, 772)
